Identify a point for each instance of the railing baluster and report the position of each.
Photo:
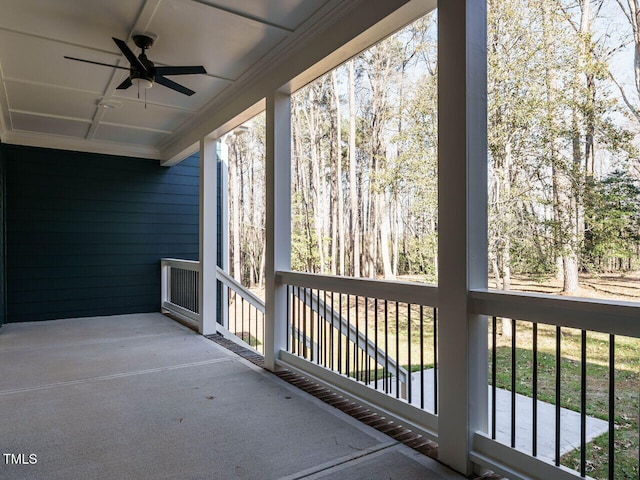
(375, 341)
(324, 329)
(422, 356)
(408, 352)
(332, 356)
(583, 404)
(493, 376)
(347, 342)
(304, 322)
(534, 440)
(242, 316)
(435, 361)
(340, 333)
(318, 325)
(385, 372)
(255, 324)
(296, 327)
(315, 334)
(294, 316)
(356, 348)
(367, 378)
(301, 314)
(248, 332)
(288, 324)
(309, 325)
(513, 383)
(196, 292)
(189, 276)
(190, 283)
(558, 394)
(612, 405)
(228, 309)
(263, 329)
(397, 350)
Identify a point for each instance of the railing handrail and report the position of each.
(337, 321)
(192, 265)
(392, 290)
(622, 318)
(228, 280)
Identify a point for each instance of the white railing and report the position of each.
(181, 289)
(331, 339)
(349, 334)
(565, 321)
(242, 313)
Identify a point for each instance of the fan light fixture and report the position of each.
(142, 83)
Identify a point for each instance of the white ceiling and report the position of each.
(47, 100)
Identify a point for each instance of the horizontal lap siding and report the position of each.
(85, 233)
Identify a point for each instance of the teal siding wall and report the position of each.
(85, 233)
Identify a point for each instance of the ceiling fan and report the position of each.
(142, 71)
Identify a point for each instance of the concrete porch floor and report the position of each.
(141, 396)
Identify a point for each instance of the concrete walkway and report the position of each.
(141, 397)
(546, 435)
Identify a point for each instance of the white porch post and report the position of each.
(462, 226)
(208, 252)
(278, 222)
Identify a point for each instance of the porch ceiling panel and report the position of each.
(62, 102)
(227, 44)
(44, 125)
(40, 62)
(125, 134)
(90, 23)
(288, 14)
(133, 114)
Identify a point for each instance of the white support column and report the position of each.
(208, 240)
(278, 222)
(462, 226)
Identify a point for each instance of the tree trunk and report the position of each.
(384, 239)
(315, 175)
(235, 211)
(353, 190)
(564, 207)
(340, 190)
(395, 235)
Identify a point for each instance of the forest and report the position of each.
(563, 124)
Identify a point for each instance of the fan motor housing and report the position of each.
(143, 41)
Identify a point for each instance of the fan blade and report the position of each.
(96, 63)
(126, 51)
(173, 85)
(192, 70)
(124, 85)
